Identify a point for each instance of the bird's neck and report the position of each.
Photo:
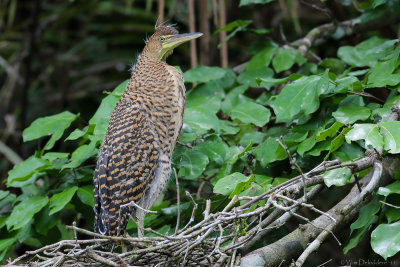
(148, 69)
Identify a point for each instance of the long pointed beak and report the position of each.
(178, 39)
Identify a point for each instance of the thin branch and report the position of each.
(178, 196)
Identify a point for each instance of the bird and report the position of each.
(134, 162)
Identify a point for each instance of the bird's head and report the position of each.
(161, 44)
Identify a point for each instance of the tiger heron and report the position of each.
(134, 163)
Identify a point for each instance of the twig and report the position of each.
(178, 196)
(100, 259)
(388, 204)
(294, 163)
(13, 157)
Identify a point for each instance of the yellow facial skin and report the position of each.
(169, 42)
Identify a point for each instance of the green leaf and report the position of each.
(77, 133)
(356, 238)
(26, 169)
(227, 184)
(330, 132)
(3, 194)
(367, 53)
(284, 59)
(337, 177)
(251, 113)
(24, 211)
(367, 212)
(55, 155)
(237, 153)
(81, 154)
(262, 58)
(200, 120)
(248, 2)
(376, 3)
(103, 114)
(232, 98)
(306, 145)
(233, 25)
(349, 115)
(300, 97)
(5, 245)
(393, 188)
(382, 74)
(269, 151)
(321, 146)
(59, 200)
(254, 77)
(85, 194)
(216, 150)
(192, 164)
(390, 131)
(203, 74)
(242, 186)
(333, 64)
(337, 142)
(348, 83)
(204, 94)
(173, 209)
(385, 239)
(368, 132)
(252, 137)
(54, 125)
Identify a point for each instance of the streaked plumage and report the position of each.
(134, 162)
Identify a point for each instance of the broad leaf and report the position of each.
(203, 74)
(269, 151)
(367, 212)
(232, 98)
(261, 59)
(300, 96)
(81, 154)
(26, 169)
(330, 132)
(385, 239)
(85, 194)
(215, 150)
(382, 74)
(391, 136)
(393, 188)
(103, 114)
(285, 59)
(54, 125)
(366, 53)
(349, 115)
(59, 200)
(227, 185)
(251, 113)
(368, 132)
(359, 234)
(192, 164)
(242, 186)
(200, 120)
(337, 177)
(254, 77)
(24, 211)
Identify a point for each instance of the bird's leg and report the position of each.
(140, 214)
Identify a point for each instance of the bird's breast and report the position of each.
(168, 109)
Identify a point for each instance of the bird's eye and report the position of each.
(162, 39)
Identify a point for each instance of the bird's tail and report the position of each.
(111, 225)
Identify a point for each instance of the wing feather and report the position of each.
(125, 166)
